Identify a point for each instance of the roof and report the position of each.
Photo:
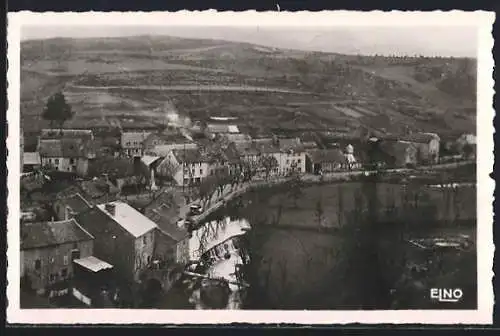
(31, 158)
(77, 203)
(116, 167)
(148, 160)
(222, 128)
(166, 138)
(66, 148)
(326, 155)
(93, 264)
(130, 219)
(134, 136)
(188, 155)
(413, 137)
(45, 234)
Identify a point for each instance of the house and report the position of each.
(400, 153)
(67, 154)
(92, 277)
(48, 249)
(325, 161)
(31, 161)
(160, 143)
(214, 129)
(187, 167)
(466, 145)
(132, 142)
(124, 237)
(68, 207)
(172, 239)
(427, 145)
(291, 156)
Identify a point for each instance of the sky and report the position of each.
(458, 41)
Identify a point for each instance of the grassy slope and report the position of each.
(348, 90)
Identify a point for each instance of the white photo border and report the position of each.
(485, 185)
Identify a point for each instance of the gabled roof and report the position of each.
(149, 160)
(129, 218)
(77, 203)
(66, 148)
(134, 136)
(188, 155)
(326, 155)
(45, 234)
(31, 158)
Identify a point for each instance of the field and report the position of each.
(135, 80)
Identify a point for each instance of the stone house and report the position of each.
(48, 250)
(186, 167)
(427, 145)
(132, 142)
(325, 161)
(67, 154)
(124, 237)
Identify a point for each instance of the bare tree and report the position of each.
(319, 212)
(269, 163)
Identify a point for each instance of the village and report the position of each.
(106, 219)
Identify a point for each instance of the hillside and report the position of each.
(136, 79)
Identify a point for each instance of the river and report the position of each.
(305, 253)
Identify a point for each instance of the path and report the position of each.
(229, 193)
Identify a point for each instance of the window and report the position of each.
(287, 161)
(52, 260)
(52, 277)
(64, 273)
(75, 254)
(299, 160)
(144, 240)
(56, 161)
(72, 161)
(201, 171)
(38, 264)
(66, 260)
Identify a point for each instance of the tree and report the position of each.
(468, 150)
(295, 190)
(269, 163)
(319, 212)
(57, 111)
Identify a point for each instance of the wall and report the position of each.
(113, 243)
(286, 160)
(53, 261)
(165, 246)
(82, 166)
(144, 252)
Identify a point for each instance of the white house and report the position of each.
(132, 142)
(186, 167)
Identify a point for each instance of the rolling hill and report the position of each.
(132, 79)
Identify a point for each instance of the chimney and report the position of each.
(110, 207)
